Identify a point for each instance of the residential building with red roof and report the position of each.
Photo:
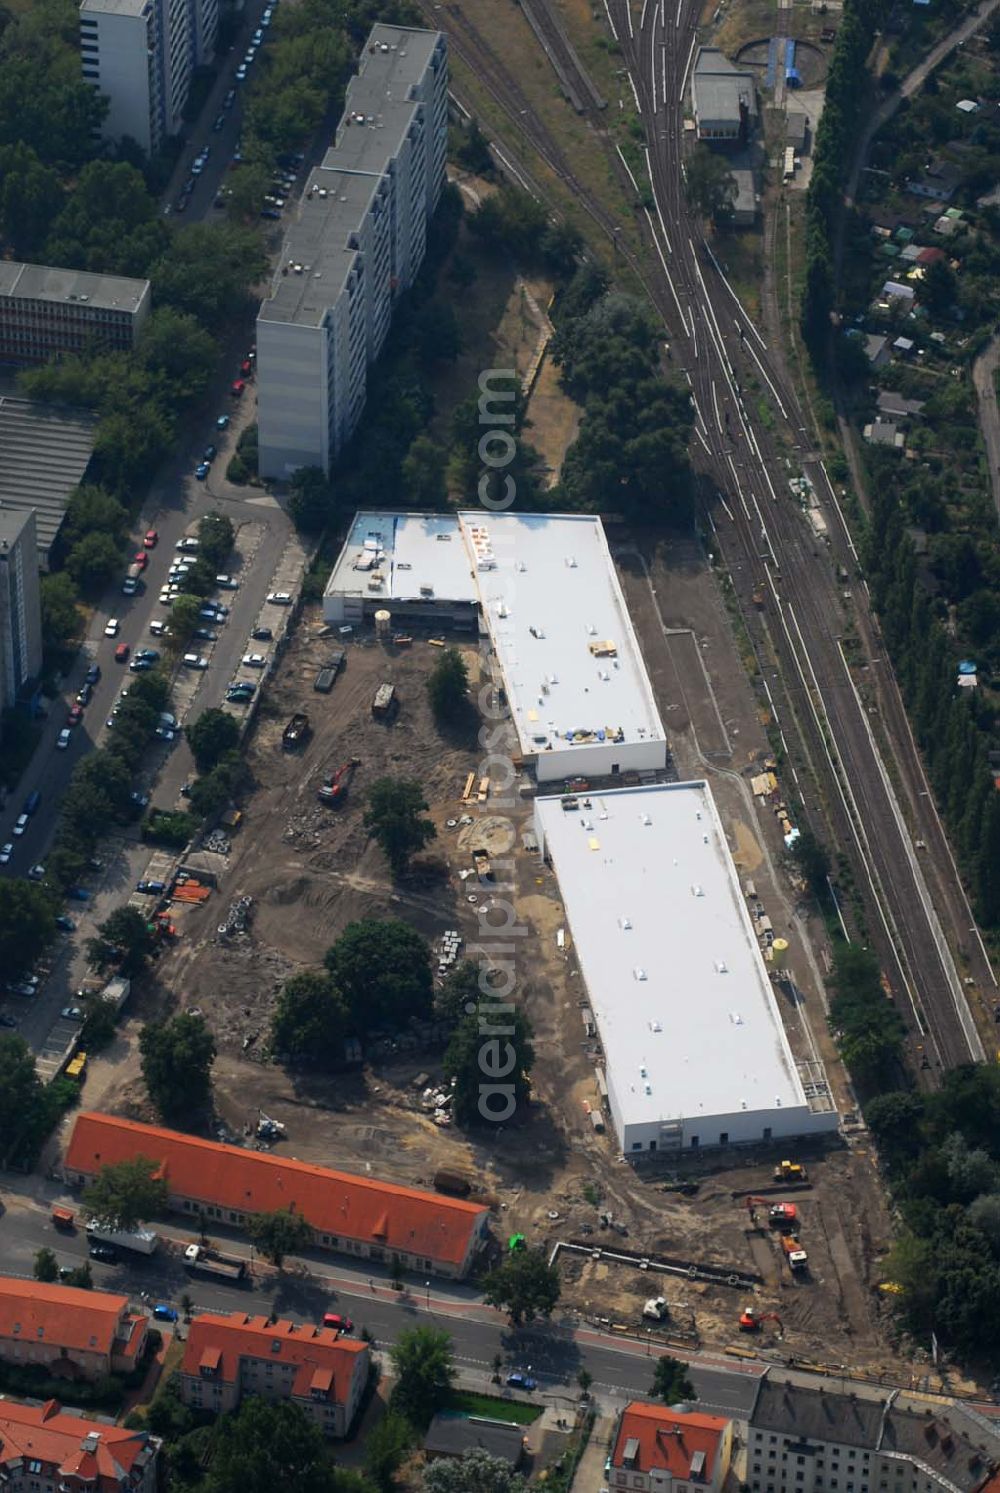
(227, 1357)
(355, 1215)
(74, 1334)
(45, 1446)
(669, 1451)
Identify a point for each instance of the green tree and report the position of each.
(208, 270)
(490, 1071)
(810, 855)
(382, 968)
(311, 1019)
(671, 1381)
(585, 1379)
(265, 1446)
(310, 501)
(173, 347)
(109, 223)
(247, 187)
(93, 562)
(526, 1286)
(386, 1447)
(46, 1266)
(423, 473)
(177, 1058)
(448, 686)
(422, 1364)
(939, 288)
(81, 1276)
(394, 818)
(60, 616)
(126, 1194)
(460, 993)
(93, 510)
(27, 925)
(710, 187)
(123, 940)
(216, 537)
(471, 149)
(30, 198)
(211, 736)
(280, 1234)
(210, 793)
(476, 1471)
(184, 618)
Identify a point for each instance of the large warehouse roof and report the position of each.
(558, 621)
(397, 556)
(683, 1004)
(44, 453)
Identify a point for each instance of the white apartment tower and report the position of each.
(356, 245)
(20, 611)
(140, 54)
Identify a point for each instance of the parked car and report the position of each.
(227, 583)
(93, 674)
(210, 452)
(6, 851)
(157, 627)
(219, 123)
(121, 653)
(230, 99)
(139, 798)
(106, 1253)
(75, 715)
(271, 213)
(202, 470)
(84, 693)
(241, 73)
(71, 1013)
(141, 559)
(164, 1313)
(517, 1380)
(64, 738)
(6, 1020)
(337, 1322)
(222, 422)
(21, 824)
(238, 694)
(112, 627)
(254, 661)
(262, 635)
(36, 873)
(141, 665)
(25, 990)
(153, 654)
(205, 635)
(188, 545)
(164, 733)
(236, 388)
(78, 894)
(151, 887)
(194, 661)
(280, 598)
(152, 539)
(65, 924)
(166, 719)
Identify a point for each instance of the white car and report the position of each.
(254, 660)
(21, 824)
(113, 628)
(188, 545)
(64, 738)
(280, 598)
(157, 627)
(194, 661)
(227, 583)
(166, 719)
(166, 597)
(6, 853)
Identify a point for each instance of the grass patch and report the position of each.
(466, 1402)
(139, 1412)
(746, 20)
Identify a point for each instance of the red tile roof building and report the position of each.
(669, 1451)
(44, 1446)
(228, 1357)
(355, 1215)
(75, 1334)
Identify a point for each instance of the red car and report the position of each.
(237, 387)
(121, 653)
(335, 1320)
(141, 559)
(246, 368)
(75, 715)
(152, 539)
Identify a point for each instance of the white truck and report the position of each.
(139, 1241)
(116, 992)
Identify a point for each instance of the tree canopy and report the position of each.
(422, 1365)
(280, 1233)
(671, 1381)
(123, 941)
(489, 1057)
(211, 736)
(177, 1058)
(525, 1285)
(393, 817)
(474, 1472)
(27, 925)
(19, 1087)
(127, 1193)
(448, 686)
(382, 968)
(710, 186)
(311, 1019)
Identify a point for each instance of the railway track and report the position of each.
(766, 543)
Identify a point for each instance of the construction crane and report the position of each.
(752, 1320)
(790, 1171)
(783, 1216)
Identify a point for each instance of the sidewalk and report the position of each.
(590, 1476)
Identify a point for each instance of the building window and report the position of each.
(723, 1137)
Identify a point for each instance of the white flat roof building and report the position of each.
(695, 1053)
(544, 589)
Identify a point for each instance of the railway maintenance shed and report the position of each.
(542, 590)
(695, 1054)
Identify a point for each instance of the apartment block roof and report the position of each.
(82, 1321)
(335, 1203)
(42, 282)
(101, 1455)
(324, 1362)
(683, 1443)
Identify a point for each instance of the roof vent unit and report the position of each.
(537, 632)
(697, 891)
(640, 974)
(743, 1104)
(644, 818)
(655, 1026)
(624, 923)
(642, 1071)
(736, 1018)
(603, 674)
(570, 562)
(777, 1102)
(721, 967)
(591, 630)
(648, 1088)
(521, 567)
(704, 839)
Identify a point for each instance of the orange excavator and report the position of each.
(783, 1216)
(752, 1320)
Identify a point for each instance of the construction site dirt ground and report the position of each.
(311, 870)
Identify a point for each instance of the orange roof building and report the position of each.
(227, 1357)
(656, 1447)
(43, 1446)
(74, 1334)
(357, 1215)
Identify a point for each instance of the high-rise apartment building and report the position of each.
(356, 245)
(140, 54)
(20, 608)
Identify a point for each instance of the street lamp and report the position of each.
(427, 1284)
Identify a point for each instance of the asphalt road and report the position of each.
(721, 350)
(556, 1352)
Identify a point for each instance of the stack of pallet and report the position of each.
(191, 891)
